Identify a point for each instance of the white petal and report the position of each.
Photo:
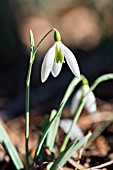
(56, 69)
(91, 103)
(77, 97)
(86, 89)
(48, 63)
(71, 60)
(76, 101)
(76, 131)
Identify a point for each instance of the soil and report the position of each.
(97, 155)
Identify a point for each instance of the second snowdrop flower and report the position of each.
(55, 57)
(90, 100)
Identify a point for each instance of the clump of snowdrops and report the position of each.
(53, 61)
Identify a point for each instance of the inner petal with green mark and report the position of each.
(58, 55)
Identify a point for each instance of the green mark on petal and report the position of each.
(58, 55)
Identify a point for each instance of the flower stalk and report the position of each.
(27, 117)
(93, 86)
(51, 62)
(32, 58)
(75, 119)
(66, 139)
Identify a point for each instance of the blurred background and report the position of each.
(86, 27)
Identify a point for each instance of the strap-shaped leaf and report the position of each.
(68, 152)
(69, 91)
(9, 147)
(50, 141)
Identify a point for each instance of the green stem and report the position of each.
(94, 85)
(101, 79)
(69, 91)
(27, 115)
(73, 122)
(27, 127)
(32, 57)
(79, 110)
(42, 40)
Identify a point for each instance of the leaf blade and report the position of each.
(9, 147)
(66, 154)
(69, 90)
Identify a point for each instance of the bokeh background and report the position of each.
(86, 27)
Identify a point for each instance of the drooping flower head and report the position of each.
(55, 57)
(90, 100)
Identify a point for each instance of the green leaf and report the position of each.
(50, 141)
(49, 165)
(98, 131)
(9, 147)
(68, 152)
(69, 91)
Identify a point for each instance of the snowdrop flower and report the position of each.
(55, 57)
(76, 130)
(90, 103)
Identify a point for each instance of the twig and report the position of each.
(80, 155)
(101, 166)
(75, 164)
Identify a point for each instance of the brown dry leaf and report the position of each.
(102, 145)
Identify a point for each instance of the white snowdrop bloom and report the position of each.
(76, 130)
(55, 57)
(90, 103)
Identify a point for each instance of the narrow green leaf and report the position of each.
(49, 165)
(98, 131)
(69, 91)
(9, 147)
(68, 152)
(50, 141)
